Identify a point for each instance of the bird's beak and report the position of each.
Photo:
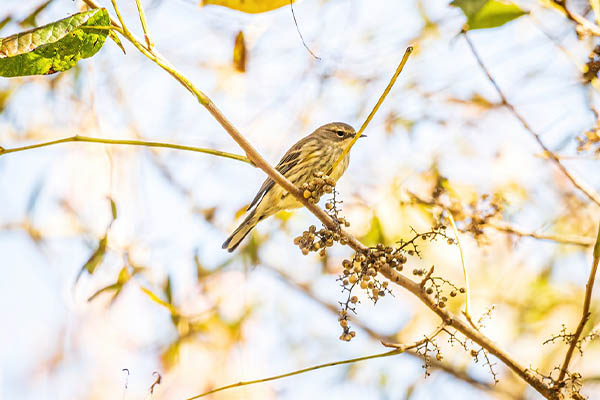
(362, 136)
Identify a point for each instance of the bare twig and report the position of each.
(585, 312)
(300, 33)
(78, 138)
(582, 186)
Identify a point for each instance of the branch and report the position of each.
(78, 138)
(582, 186)
(585, 312)
(389, 273)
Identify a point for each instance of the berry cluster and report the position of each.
(362, 269)
(316, 187)
(318, 241)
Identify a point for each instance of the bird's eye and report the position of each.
(340, 133)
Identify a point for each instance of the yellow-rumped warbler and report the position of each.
(316, 152)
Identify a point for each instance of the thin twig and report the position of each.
(407, 53)
(301, 371)
(389, 273)
(585, 312)
(78, 138)
(149, 41)
(565, 239)
(300, 33)
(583, 187)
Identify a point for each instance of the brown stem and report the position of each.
(585, 312)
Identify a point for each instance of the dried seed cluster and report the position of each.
(317, 186)
(319, 241)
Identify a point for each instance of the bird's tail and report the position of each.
(240, 233)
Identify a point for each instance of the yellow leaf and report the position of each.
(239, 53)
(248, 6)
(158, 300)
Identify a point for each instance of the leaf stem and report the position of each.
(149, 41)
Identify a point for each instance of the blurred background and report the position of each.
(165, 297)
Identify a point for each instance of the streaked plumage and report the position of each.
(315, 152)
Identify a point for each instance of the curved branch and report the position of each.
(78, 138)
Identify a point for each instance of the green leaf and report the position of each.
(54, 47)
(482, 14)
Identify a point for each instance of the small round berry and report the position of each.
(353, 299)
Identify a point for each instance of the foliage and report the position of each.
(54, 47)
(482, 14)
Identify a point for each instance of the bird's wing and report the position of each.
(288, 162)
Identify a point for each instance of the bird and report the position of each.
(317, 152)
